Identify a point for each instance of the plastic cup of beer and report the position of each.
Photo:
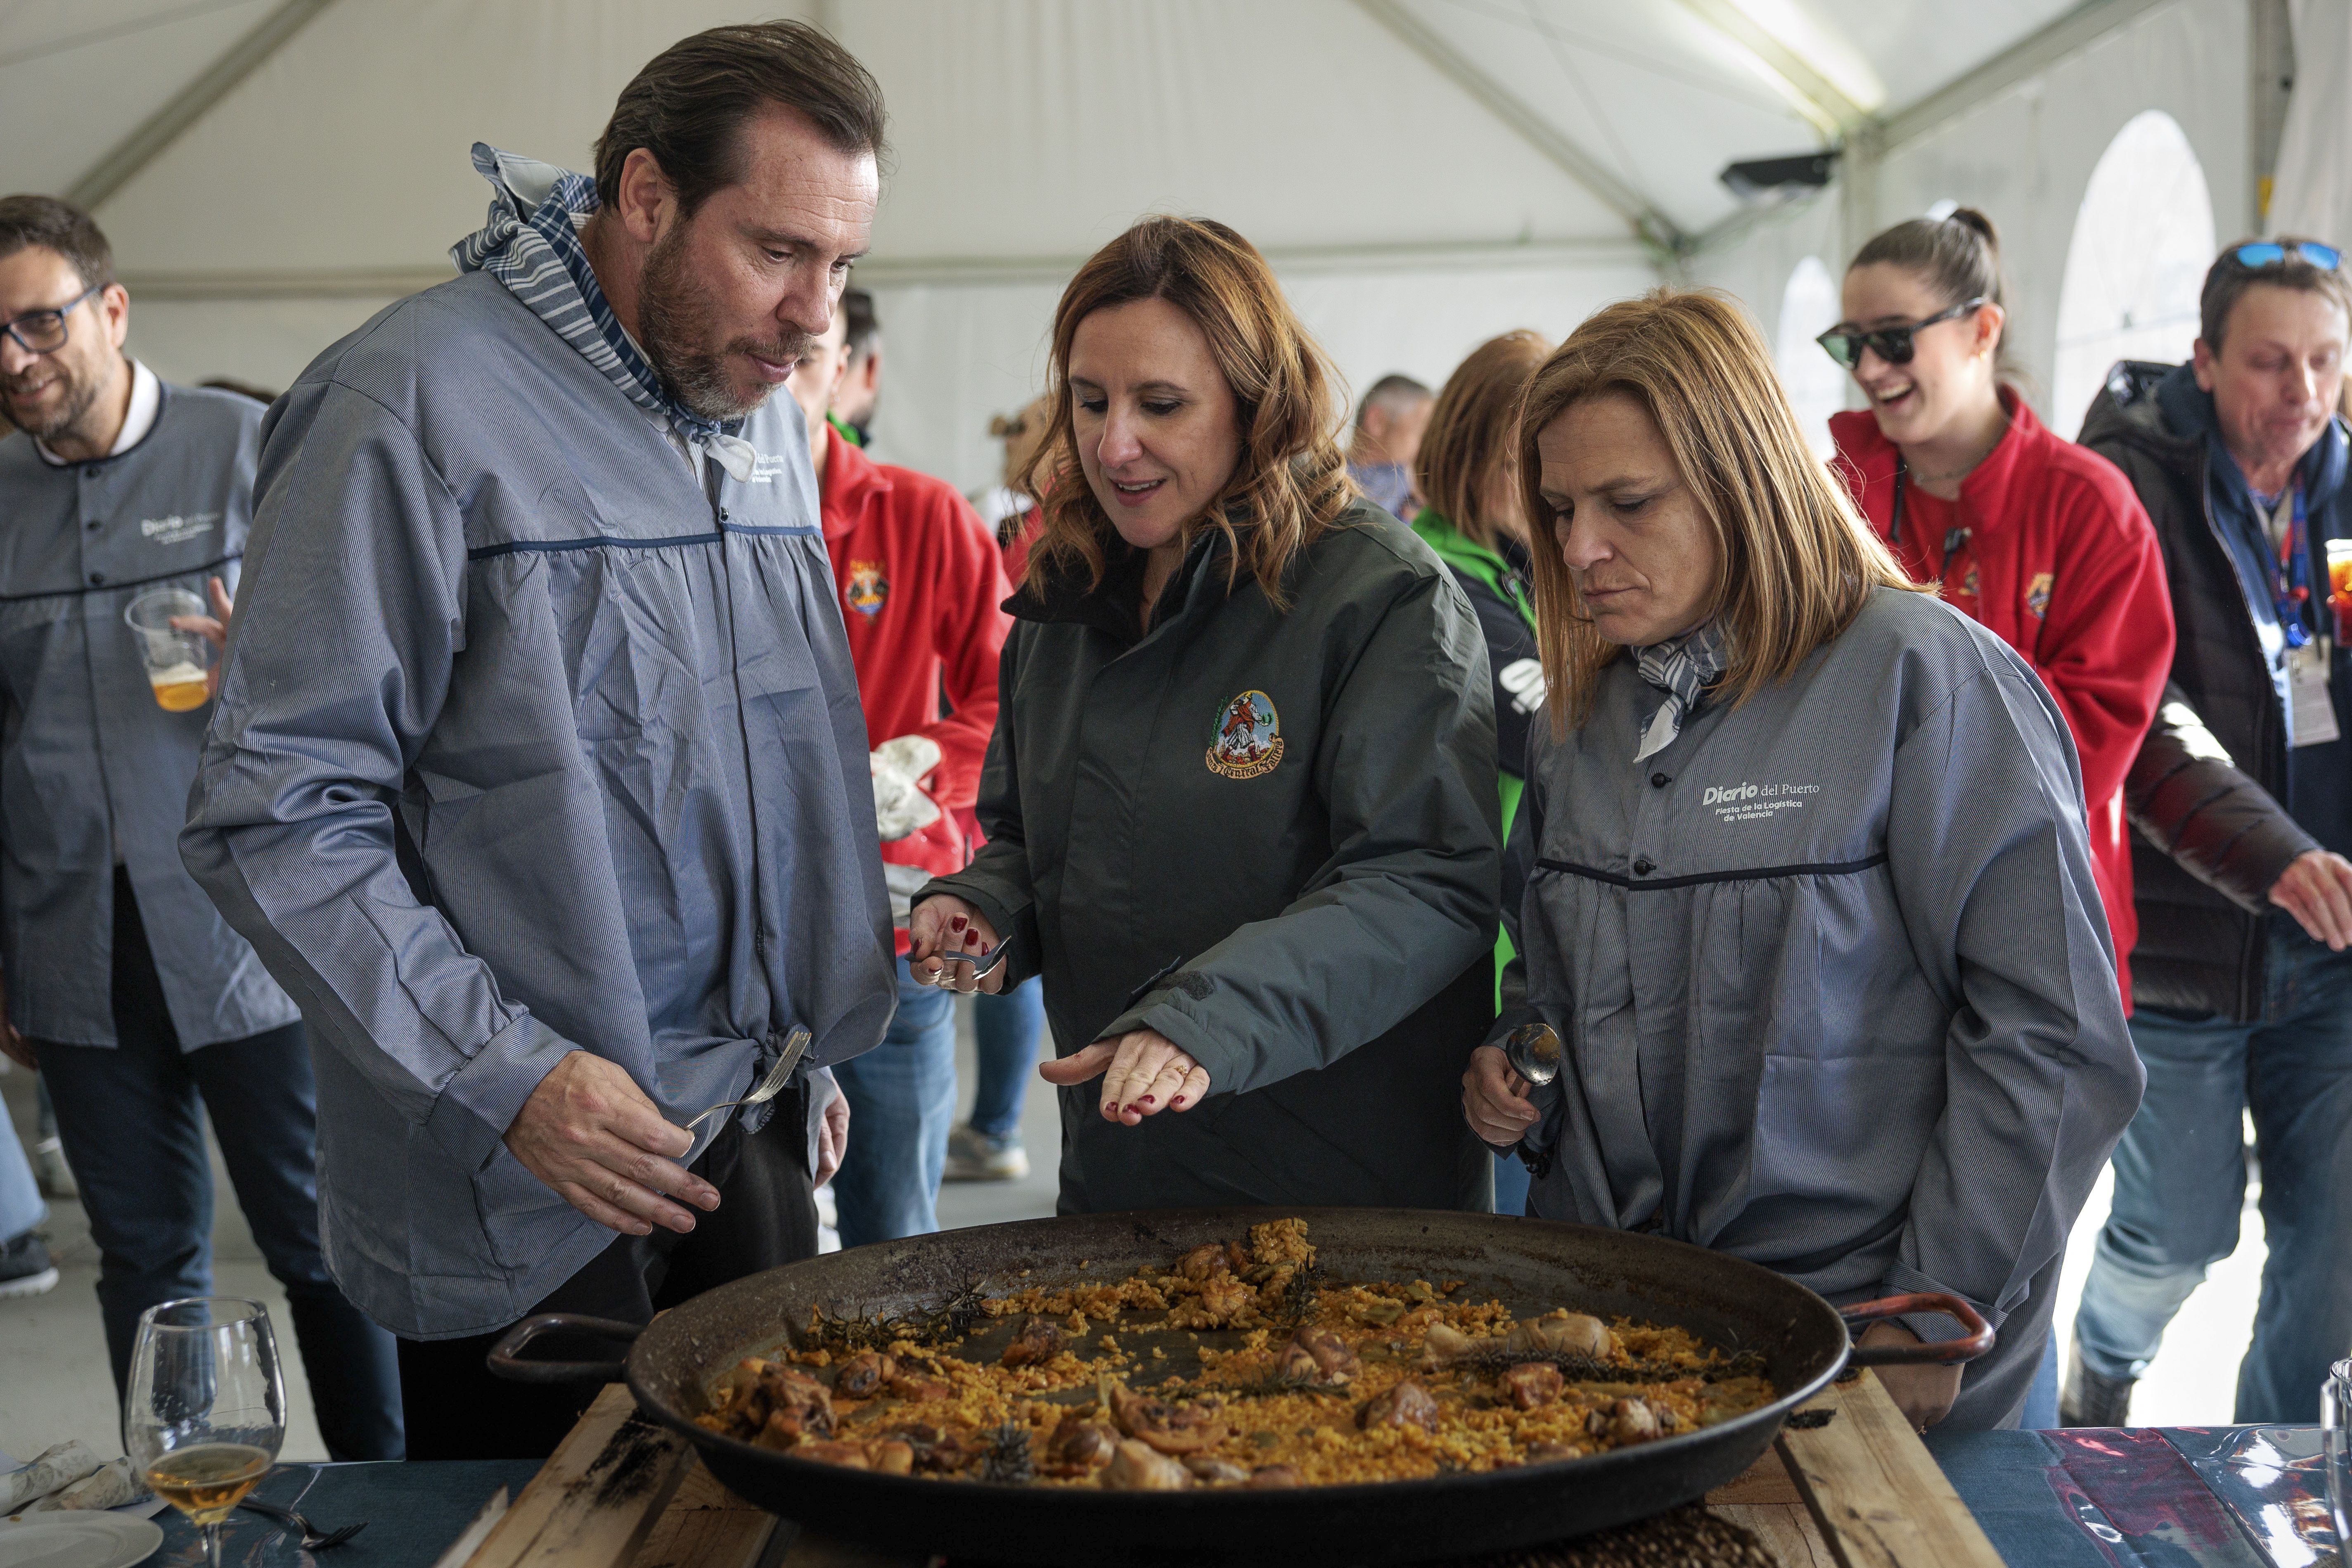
(2339, 586)
(177, 661)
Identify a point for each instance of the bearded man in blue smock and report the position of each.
(539, 777)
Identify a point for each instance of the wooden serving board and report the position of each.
(1860, 1492)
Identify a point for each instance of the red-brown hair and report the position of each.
(1291, 481)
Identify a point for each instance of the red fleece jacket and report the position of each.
(921, 587)
(2060, 562)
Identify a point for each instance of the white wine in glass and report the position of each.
(206, 1410)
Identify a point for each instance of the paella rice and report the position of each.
(1302, 1381)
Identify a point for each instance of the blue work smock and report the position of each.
(93, 772)
(529, 742)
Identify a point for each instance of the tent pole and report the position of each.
(2085, 24)
(2270, 69)
(167, 125)
(1655, 230)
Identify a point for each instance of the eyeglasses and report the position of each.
(44, 331)
(2264, 253)
(1892, 345)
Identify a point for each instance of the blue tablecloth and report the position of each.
(2144, 1497)
(412, 1512)
(2223, 1496)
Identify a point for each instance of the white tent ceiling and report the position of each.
(1460, 166)
(1025, 129)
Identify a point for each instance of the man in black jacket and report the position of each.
(2241, 985)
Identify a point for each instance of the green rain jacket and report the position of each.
(1505, 603)
(1272, 837)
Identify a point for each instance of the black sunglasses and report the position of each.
(1892, 345)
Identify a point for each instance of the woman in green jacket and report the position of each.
(1240, 803)
(1477, 524)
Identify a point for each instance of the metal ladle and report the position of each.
(1534, 1052)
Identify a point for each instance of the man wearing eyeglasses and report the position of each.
(125, 988)
(2241, 797)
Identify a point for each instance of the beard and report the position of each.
(679, 324)
(81, 392)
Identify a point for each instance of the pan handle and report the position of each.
(507, 1361)
(1974, 1344)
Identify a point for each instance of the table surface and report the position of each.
(2223, 1496)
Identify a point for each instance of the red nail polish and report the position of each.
(1177, 1103)
(1145, 1100)
(958, 923)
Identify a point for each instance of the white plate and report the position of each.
(68, 1540)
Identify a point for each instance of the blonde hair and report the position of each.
(1291, 482)
(1794, 561)
(1473, 432)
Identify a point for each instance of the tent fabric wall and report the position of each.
(1029, 131)
(1024, 129)
(2312, 195)
(954, 354)
(2025, 158)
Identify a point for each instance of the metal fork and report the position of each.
(313, 1538)
(983, 964)
(768, 1087)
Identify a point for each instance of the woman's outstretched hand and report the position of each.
(942, 930)
(1144, 1073)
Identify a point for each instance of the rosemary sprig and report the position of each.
(1007, 1460)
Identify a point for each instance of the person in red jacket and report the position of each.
(919, 584)
(2041, 540)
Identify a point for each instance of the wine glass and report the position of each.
(206, 1410)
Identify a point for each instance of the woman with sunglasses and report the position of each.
(2041, 540)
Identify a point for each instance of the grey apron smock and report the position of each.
(1833, 979)
(92, 771)
(528, 744)
(1272, 837)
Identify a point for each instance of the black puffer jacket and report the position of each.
(2211, 836)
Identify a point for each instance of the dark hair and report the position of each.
(1958, 256)
(62, 227)
(2227, 280)
(686, 104)
(1391, 391)
(861, 326)
(1290, 482)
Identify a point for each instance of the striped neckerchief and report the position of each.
(1683, 667)
(530, 243)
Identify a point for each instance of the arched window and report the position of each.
(1816, 386)
(2143, 239)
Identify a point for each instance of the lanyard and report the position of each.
(1954, 537)
(2291, 578)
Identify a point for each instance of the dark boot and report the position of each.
(2086, 1399)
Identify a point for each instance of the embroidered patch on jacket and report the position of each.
(1969, 583)
(867, 589)
(2037, 595)
(1249, 738)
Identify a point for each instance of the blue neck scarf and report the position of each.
(1683, 667)
(530, 243)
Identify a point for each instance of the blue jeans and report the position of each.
(133, 1134)
(21, 1207)
(901, 1102)
(2180, 1184)
(1005, 1031)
